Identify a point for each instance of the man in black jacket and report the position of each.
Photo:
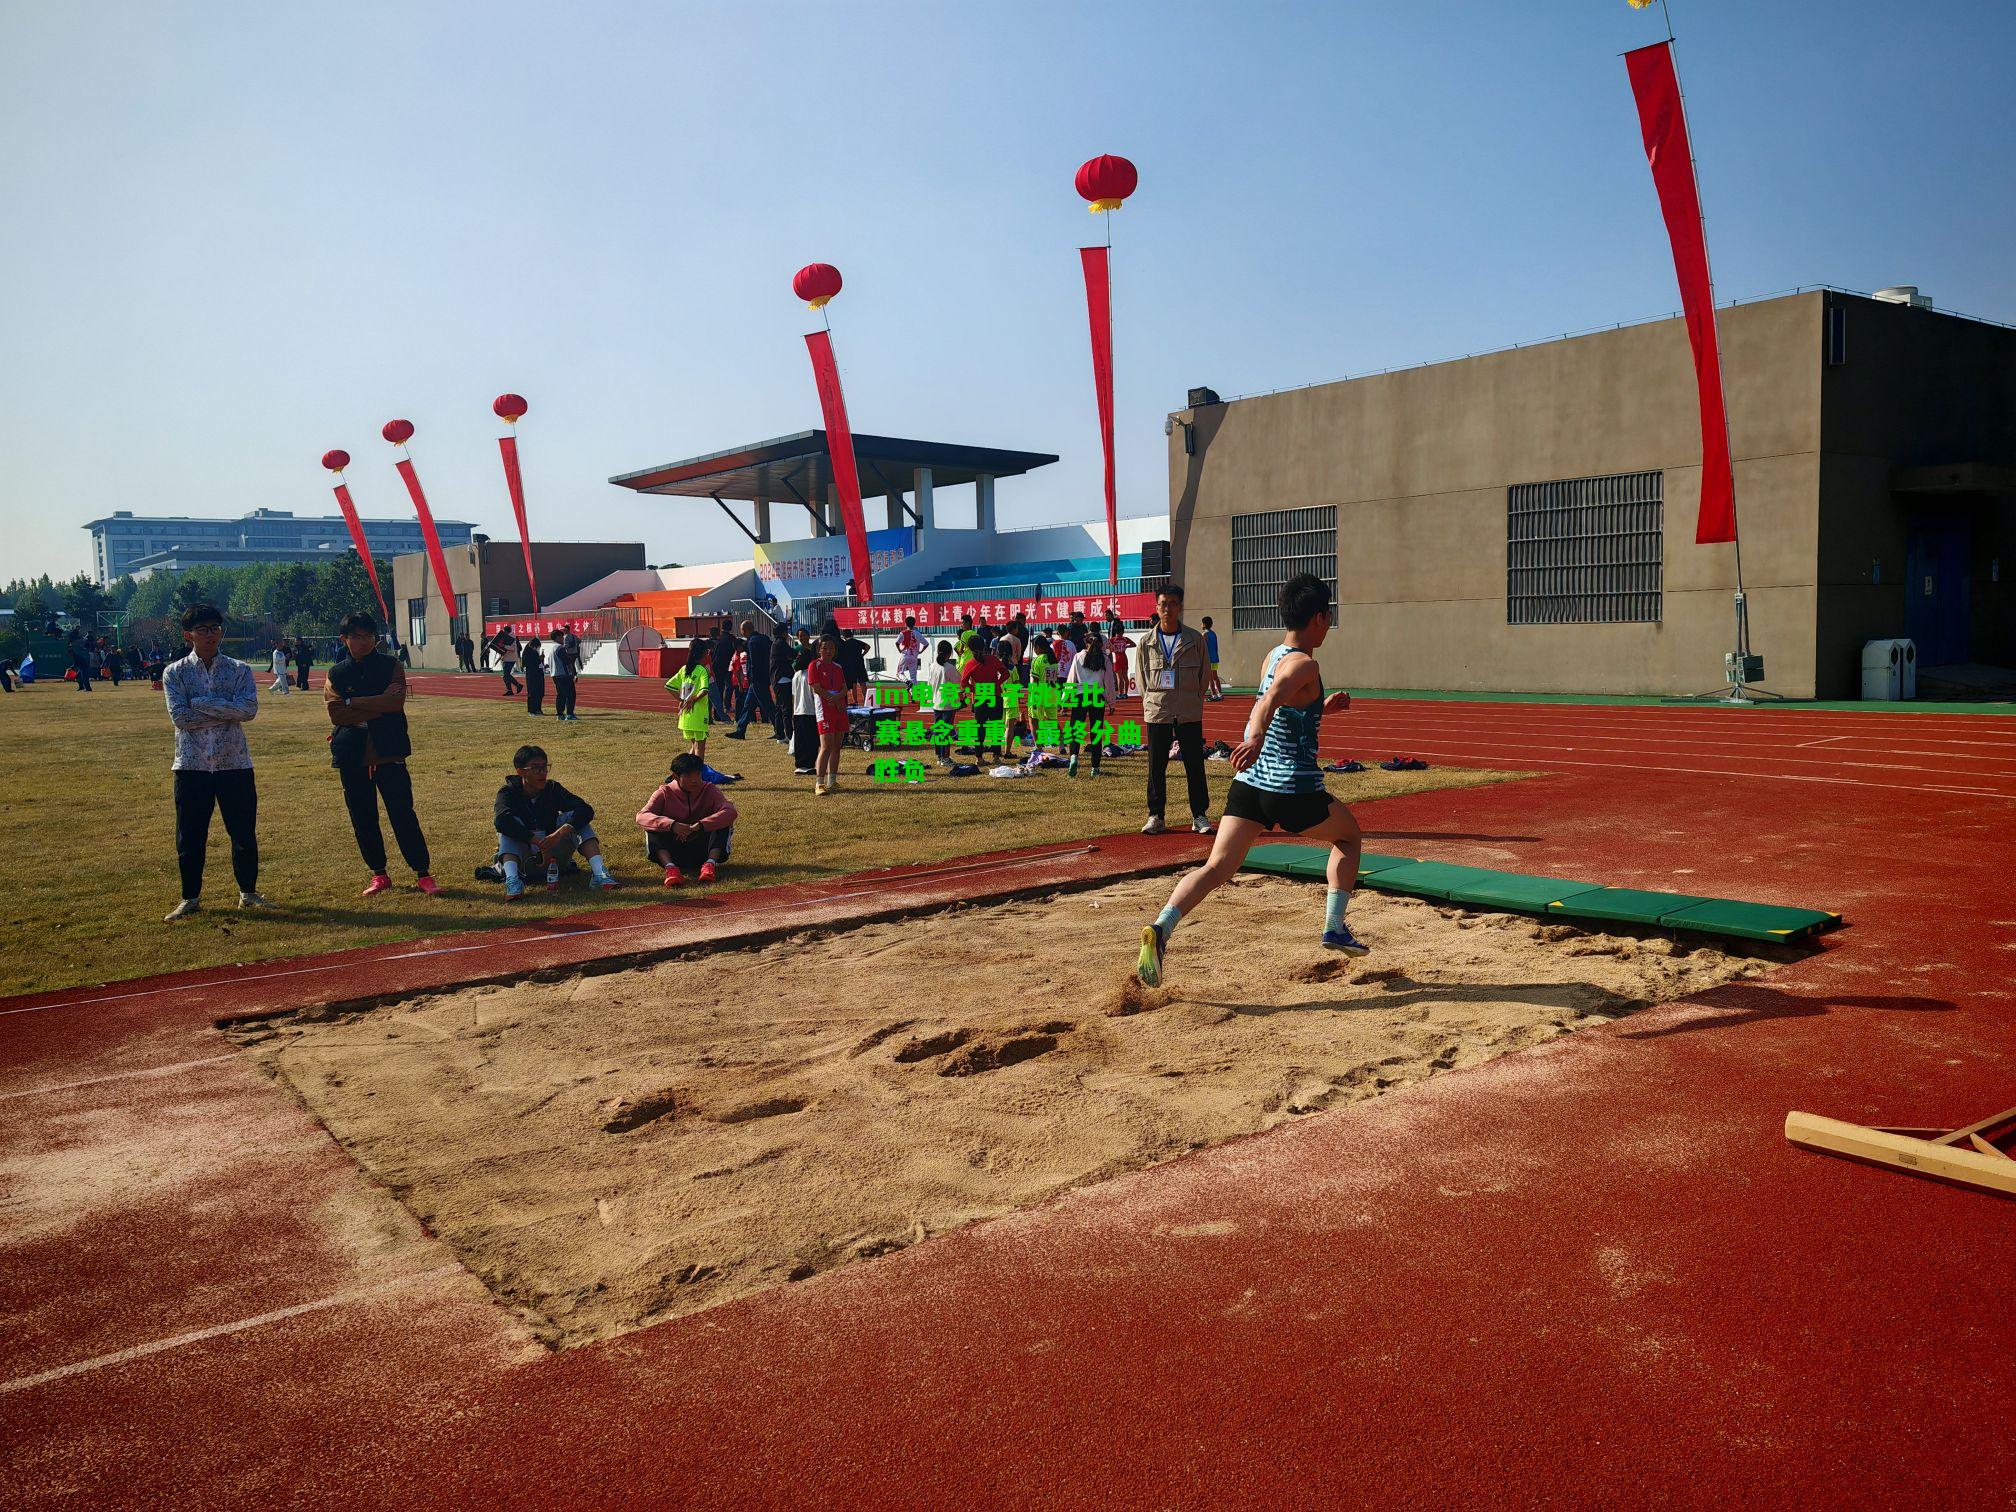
(755, 697)
(719, 659)
(366, 695)
(304, 658)
(854, 663)
(540, 823)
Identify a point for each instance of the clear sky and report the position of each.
(239, 234)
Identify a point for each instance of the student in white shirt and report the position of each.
(804, 717)
(279, 665)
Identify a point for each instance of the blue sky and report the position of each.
(241, 234)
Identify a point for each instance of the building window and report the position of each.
(416, 623)
(1585, 551)
(460, 627)
(1268, 549)
(500, 605)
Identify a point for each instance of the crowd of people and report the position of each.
(984, 685)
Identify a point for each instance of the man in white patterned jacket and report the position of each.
(210, 698)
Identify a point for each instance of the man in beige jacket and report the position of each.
(1172, 667)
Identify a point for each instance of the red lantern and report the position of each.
(815, 283)
(1105, 181)
(510, 408)
(398, 432)
(335, 461)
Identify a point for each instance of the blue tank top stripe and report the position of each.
(1287, 761)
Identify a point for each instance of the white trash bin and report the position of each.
(1883, 663)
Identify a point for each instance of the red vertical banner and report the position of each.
(363, 547)
(1663, 120)
(840, 448)
(508, 445)
(1099, 309)
(433, 539)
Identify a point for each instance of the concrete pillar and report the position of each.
(921, 485)
(763, 520)
(895, 502)
(983, 501)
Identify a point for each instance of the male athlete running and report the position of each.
(1278, 783)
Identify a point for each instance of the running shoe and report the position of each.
(1072, 769)
(1154, 826)
(514, 889)
(1342, 939)
(674, 877)
(801, 771)
(707, 872)
(603, 883)
(1199, 825)
(247, 899)
(428, 886)
(379, 883)
(186, 908)
(1149, 967)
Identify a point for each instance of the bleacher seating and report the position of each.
(1052, 577)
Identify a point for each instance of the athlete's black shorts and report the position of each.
(1291, 813)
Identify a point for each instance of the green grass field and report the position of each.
(88, 794)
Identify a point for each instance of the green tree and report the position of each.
(120, 594)
(83, 598)
(31, 605)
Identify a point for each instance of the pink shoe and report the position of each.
(707, 872)
(376, 885)
(428, 886)
(675, 877)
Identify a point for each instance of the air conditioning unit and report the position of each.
(1199, 397)
(1904, 294)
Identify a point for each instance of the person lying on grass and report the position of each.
(541, 824)
(688, 825)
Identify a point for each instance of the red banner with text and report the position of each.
(840, 448)
(428, 533)
(1099, 310)
(508, 445)
(597, 626)
(942, 614)
(363, 548)
(1663, 121)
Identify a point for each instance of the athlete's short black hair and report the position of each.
(1303, 597)
(359, 624)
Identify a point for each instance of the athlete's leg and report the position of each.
(1347, 845)
(1228, 853)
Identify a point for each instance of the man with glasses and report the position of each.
(210, 699)
(1172, 667)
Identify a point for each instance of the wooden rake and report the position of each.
(1969, 1156)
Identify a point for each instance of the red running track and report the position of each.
(1591, 1273)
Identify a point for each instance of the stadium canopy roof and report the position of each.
(796, 469)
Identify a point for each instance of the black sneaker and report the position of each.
(489, 871)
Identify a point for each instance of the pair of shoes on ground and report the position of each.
(381, 883)
(676, 878)
(1404, 764)
(190, 906)
(1344, 766)
(1199, 825)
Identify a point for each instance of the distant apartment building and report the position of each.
(124, 543)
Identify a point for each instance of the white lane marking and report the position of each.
(93, 1081)
(214, 983)
(197, 1336)
(1824, 739)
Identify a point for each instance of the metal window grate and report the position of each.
(1270, 548)
(1585, 551)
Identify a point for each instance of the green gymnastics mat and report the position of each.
(1432, 879)
(1314, 861)
(1623, 905)
(1556, 897)
(1519, 893)
(1751, 921)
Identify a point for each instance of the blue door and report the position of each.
(1938, 560)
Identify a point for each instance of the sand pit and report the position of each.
(609, 1150)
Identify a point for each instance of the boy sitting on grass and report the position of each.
(541, 824)
(687, 822)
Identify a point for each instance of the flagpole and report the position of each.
(1735, 690)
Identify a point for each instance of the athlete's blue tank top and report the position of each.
(1287, 760)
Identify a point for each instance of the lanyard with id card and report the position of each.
(1166, 678)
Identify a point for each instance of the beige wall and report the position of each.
(1418, 464)
(497, 570)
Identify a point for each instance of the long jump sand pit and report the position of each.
(609, 1150)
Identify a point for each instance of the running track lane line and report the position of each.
(197, 1336)
(209, 1060)
(1543, 763)
(572, 934)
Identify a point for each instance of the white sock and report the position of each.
(511, 872)
(596, 868)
